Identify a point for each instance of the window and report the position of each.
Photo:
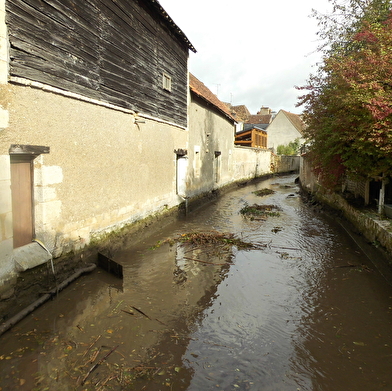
(166, 82)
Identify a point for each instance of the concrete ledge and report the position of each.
(29, 256)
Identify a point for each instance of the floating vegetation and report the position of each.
(261, 211)
(264, 192)
(224, 240)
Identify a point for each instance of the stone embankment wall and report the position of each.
(375, 228)
(282, 164)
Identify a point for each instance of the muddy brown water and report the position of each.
(307, 310)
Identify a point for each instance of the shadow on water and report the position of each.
(306, 310)
(62, 344)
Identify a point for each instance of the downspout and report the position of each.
(46, 249)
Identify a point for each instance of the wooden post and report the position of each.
(382, 197)
(367, 195)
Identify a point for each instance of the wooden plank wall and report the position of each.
(110, 50)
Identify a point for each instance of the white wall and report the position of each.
(249, 163)
(281, 131)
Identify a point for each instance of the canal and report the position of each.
(302, 308)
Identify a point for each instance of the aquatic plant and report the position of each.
(263, 192)
(257, 210)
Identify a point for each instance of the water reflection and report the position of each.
(306, 312)
(155, 305)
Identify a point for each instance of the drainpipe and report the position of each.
(28, 310)
(46, 249)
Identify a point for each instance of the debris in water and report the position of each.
(140, 312)
(210, 238)
(257, 210)
(94, 367)
(206, 262)
(263, 192)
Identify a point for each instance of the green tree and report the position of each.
(348, 106)
(292, 148)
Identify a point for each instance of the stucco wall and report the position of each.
(103, 170)
(209, 132)
(250, 163)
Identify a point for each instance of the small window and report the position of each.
(166, 82)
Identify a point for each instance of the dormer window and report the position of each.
(166, 82)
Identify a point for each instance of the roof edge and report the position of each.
(172, 24)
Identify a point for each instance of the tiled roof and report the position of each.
(198, 88)
(259, 119)
(256, 126)
(240, 113)
(155, 4)
(296, 120)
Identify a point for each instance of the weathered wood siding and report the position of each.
(111, 50)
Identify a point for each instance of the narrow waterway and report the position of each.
(305, 309)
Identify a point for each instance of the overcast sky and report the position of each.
(250, 52)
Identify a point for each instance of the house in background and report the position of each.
(251, 136)
(101, 127)
(93, 120)
(211, 141)
(240, 113)
(285, 127)
(262, 119)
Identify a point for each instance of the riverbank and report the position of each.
(364, 225)
(32, 284)
(304, 309)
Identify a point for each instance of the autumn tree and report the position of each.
(348, 104)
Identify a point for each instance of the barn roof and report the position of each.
(169, 21)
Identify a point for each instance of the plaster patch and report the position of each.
(51, 175)
(5, 168)
(6, 228)
(5, 197)
(48, 213)
(4, 114)
(7, 264)
(45, 194)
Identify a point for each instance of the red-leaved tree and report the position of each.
(348, 107)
